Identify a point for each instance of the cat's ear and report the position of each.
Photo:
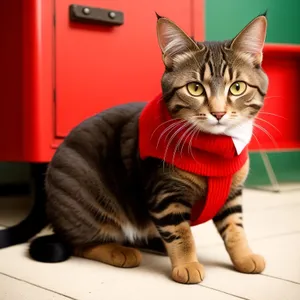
(252, 38)
(173, 41)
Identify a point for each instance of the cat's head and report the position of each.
(213, 85)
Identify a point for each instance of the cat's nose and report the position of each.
(218, 115)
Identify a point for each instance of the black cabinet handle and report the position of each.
(95, 15)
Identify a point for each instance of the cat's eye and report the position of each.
(195, 89)
(238, 88)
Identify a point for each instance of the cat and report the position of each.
(138, 175)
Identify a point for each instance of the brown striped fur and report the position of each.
(107, 203)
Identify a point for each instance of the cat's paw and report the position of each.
(188, 273)
(124, 257)
(252, 263)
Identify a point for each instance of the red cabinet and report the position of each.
(98, 67)
(277, 126)
(58, 72)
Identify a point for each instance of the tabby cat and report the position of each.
(106, 202)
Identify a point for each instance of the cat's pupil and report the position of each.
(237, 87)
(196, 87)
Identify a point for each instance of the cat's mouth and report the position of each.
(218, 128)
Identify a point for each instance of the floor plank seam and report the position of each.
(279, 278)
(38, 286)
(223, 292)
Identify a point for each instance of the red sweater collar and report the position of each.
(213, 156)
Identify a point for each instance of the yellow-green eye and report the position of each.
(195, 89)
(238, 88)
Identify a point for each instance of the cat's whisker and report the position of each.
(194, 132)
(272, 114)
(257, 140)
(168, 131)
(269, 124)
(186, 135)
(186, 138)
(170, 141)
(165, 131)
(162, 124)
(190, 128)
(259, 144)
(271, 97)
(190, 144)
(267, 133)
(177, 145)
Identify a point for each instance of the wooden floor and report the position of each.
(272, 222)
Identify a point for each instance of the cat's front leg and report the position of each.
(229, 222)
(171, 212)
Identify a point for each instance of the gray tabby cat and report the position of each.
(105, 203)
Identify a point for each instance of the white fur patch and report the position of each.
(132, 233)
(241, 135)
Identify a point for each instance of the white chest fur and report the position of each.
(241, 135)
(133, 234)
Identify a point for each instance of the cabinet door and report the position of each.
(100, 66)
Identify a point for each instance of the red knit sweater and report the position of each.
(212, 156)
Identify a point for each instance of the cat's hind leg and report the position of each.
(112, 254)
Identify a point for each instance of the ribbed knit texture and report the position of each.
(213, 156)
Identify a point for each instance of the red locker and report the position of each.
(55, 72)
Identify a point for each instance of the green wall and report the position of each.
(286, 166)
(225, 18)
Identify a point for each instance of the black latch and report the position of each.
(95, 15)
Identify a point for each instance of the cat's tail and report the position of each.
(36, 220)
(50, 249)
(26, 229)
